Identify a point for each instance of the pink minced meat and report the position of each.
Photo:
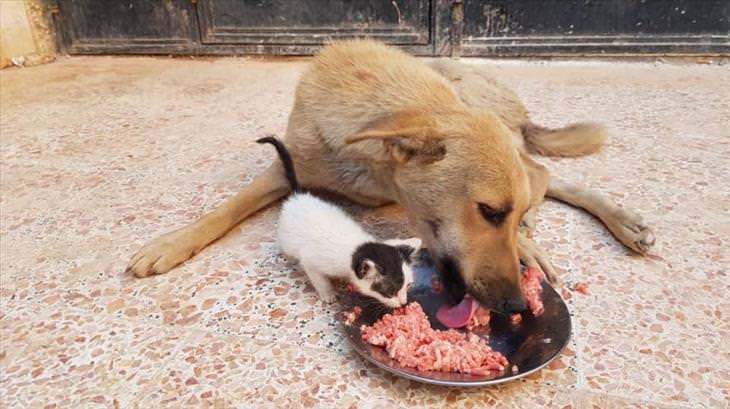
(352, 316)
(408, 338)
(532, 289)
(480, 318)
(582, 288)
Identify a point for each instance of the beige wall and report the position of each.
(25, 33)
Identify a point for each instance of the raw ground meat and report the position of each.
(532, 289)
(479, 319)
(408, 338)
(582, 288)
(352, 316)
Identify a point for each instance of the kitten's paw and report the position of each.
(328, 298)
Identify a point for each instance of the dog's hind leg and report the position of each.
(165, 252)
(627, 226)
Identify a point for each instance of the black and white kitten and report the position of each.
(328, 244)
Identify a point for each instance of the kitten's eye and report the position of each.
(493, 216)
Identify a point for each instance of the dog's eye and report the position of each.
(493, 216)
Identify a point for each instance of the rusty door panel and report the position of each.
(422, 27)
(313, 22)
(130, 26)
(534, 27)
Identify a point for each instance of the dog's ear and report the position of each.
(405, 137)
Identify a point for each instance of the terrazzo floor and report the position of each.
(101, 154)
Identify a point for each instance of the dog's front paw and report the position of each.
(328, 298)
(629, 228)
(162, 254)
(528, 223)
(533, 256)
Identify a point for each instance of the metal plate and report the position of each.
(530, 345)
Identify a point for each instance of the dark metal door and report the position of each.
(425, 27)
(294, 26)
(130, 26)
(242, 26)
(534, 27)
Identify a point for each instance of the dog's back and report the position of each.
(354, 83)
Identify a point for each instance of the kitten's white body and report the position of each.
(320, 235)
(323, 238)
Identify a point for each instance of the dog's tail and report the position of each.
(286, 160)
(578, 139)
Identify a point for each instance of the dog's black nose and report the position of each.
(515, 305)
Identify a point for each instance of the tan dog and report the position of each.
(445, 142)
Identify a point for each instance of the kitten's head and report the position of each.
(383, 270)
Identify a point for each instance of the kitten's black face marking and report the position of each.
(405, 251)
(388, 262)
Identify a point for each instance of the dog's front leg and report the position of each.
(165, 252)
(529, 222)
(533, 256)
(539, 178)
(628, 227)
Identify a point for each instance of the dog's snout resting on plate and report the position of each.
(445, 141)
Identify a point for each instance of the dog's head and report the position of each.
(465, 189)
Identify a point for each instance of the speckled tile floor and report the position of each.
(101, 154)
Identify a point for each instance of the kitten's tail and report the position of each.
(286, 160)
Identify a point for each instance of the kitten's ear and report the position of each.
(366, 269)
(414, 242)
(405, 251)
